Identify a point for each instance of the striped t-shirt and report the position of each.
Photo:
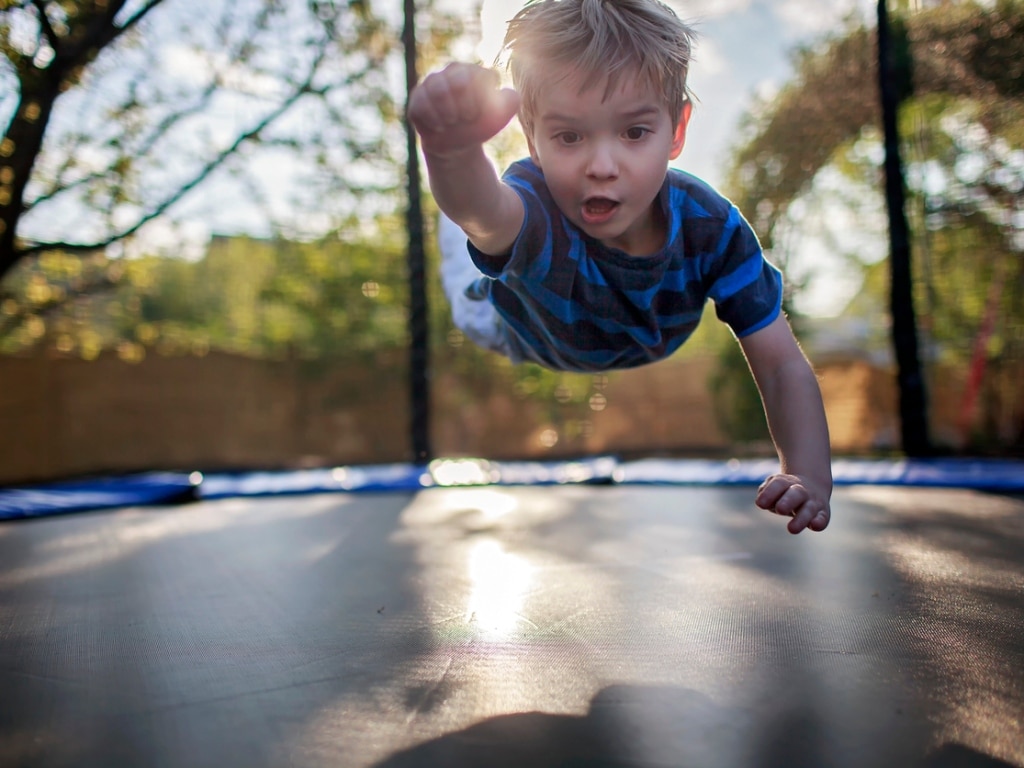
(571, 303)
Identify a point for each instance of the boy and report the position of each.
(592, 253)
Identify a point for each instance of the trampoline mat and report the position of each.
(518, 626)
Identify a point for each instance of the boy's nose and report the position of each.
(602, 163)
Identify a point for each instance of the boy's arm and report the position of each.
(796, 418)
(455, 111)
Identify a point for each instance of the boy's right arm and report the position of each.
(455, 111)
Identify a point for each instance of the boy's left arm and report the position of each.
(796, 418)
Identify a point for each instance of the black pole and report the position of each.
(419, 351)
(894, 85)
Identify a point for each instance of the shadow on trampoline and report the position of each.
(636, 727)
(190, 636)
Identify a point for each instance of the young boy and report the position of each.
(593, 254)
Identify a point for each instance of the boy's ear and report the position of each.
(679, 139)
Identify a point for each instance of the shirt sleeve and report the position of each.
(746, 287)
(537, 231)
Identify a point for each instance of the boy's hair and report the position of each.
(601, 39)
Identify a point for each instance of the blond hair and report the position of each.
(602, 39)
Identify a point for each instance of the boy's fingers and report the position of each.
(811, 517)
(506, 104)
(471, 88)
(793, 501)
(426, 105)
(488, 102)
(786, 495)
(802, 517)
(461, 105)
(423, 115)
(810, 514)
(441, 99)
(467, 105)
(820, 521)
(466, 89)
(772, 490)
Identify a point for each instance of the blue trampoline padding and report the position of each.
(382, 477)
(1001, 475)
(468, 471)
(407, 477)
(600, 470)
(98, 493)
(1006, 475)
(997, 475)
(695, 471)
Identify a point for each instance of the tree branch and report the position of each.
(109, 32)
(159, 131)
(302, 90)
(44, 22)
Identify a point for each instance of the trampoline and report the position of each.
(547, 624)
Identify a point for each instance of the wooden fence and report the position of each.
(65, 417)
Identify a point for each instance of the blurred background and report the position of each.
(210, 257)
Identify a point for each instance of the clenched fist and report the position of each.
(459, 107)
(796, 497)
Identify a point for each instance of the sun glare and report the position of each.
(499, 581)
(494, 15)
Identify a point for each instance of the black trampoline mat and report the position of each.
(517, 626)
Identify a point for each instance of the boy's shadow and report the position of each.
(652, 727)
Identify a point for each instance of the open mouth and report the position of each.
(598, 209)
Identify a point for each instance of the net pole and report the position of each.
(894, 83)
(419, 352)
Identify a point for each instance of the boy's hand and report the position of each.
(797, 497)
(459, 107)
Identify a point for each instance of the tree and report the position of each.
(118, 110)
(961, 137)
(960, 51)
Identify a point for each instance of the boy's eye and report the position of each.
(567, 137)
(636, 133)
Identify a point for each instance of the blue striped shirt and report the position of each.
(570, 303)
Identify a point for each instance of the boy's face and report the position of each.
(605, 157)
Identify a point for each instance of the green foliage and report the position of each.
(332, 298)
(264, 298)
(962, 139)
(40, 306)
